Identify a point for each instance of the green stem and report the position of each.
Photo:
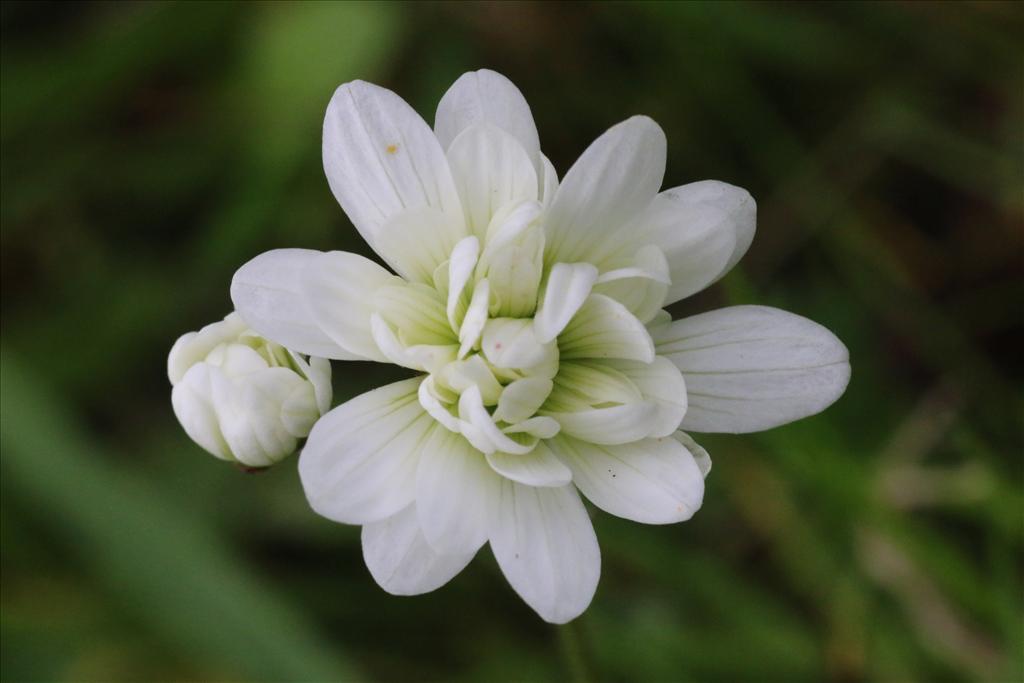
(571, 641)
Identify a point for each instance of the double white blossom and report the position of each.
(531, 312)
(243, 398)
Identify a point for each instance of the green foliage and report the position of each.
(149, 149)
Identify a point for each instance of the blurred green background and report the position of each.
(150, 149)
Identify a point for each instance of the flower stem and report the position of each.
(571, 642)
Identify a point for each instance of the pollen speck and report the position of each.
(391, 149)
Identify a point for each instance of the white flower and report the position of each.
(243, 398)
(532, 315)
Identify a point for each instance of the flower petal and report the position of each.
(568, 286)
(359, 464)
(539, 467)
(455, 489)
(653, 481)
(381, 158)
(545, 545)
(418, 240)
(491, 170)
(662, 387)
(703, 228)
(700, 455)
(749, 368)
(548, 180)
(640, 287)
(612, 182)
(486, 96)
(192, 400)
(603, 328)
(267, 293)
(400, 559)
(338, 288)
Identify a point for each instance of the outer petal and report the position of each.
(491, 170)
(653, 481)
(546, 547)
(359, 464)
(486, 96)
(267, 293)
(339, 290)
(611, 183)
(703, 228)
(749, 368)
(192, 400)
(381, 158)
(400, 559)
(454, 492)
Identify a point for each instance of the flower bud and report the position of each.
(243, 398)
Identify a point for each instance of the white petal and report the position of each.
(475, 318)
(603, 328)
(480, 429)
(400, 559)
(435, 408)
(641, 287)
(359, 464)
(539, 467)
(611, 183)
(749, 368)
(460, 268)
(548, 180)
(538, 426)
(612, 425)
(700, 455)
(381, 158)
(653, 481)
(416, 241)
(421, 357)
(521, 399)
(663, 387)
(267, 293)
(491, 170)
(735, 201)
(568, 286)
(546, 548)
(338, 288)
(703, 228)
(455, 489)
(192, 400)
(513, 343)
(193, 347)
(486, 96)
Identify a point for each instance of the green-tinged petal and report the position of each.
(603, 328)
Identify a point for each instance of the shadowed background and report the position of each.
(150, 149)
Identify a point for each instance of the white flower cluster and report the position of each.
(531, 312)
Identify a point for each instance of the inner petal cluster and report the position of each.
(517, 351)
